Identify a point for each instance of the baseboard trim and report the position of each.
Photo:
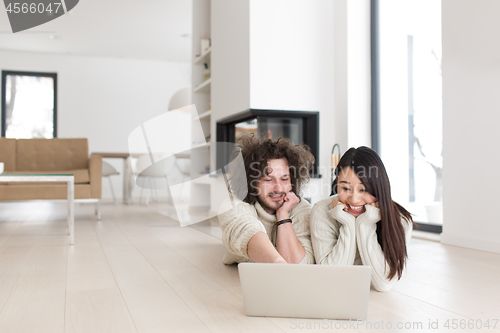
(469, 243)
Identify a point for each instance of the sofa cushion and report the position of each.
(42, 192)
(81, 176)
(41, 155)
(8, 153)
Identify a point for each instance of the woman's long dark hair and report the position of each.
(370, 170)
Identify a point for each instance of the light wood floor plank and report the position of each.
(36, 304)
(12, 261)
(454, 256)
(415, 312)
(207, 261)
(209, 242)
(450, 301)
(152, 303)
(94, 302)
(7, 231)
(97, 311)
(88, 269)
(480, 292)
(139, 271)
(108, 234)
(421, 267)
(291, 325)
(220, 310)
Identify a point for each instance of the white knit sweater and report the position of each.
(338, 238)
(240, 222)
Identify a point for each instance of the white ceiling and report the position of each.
(146, 29)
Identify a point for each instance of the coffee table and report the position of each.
(69, 178)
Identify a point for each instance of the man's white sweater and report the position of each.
(338, 238)
(241, 221)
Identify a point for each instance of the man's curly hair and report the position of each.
(256, 153)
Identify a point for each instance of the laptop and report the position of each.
(305, 291)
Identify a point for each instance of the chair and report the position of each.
(154, 176)
(183, 164)
(107, 171)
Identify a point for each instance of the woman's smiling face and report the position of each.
(352, 193)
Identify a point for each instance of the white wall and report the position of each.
(358, 74)
(471, 86)
(292, 61)
(352, 73)
(293, 55)
(230, 58)
(230, 28)
(340, 91)
(104, 99)
(315, 55)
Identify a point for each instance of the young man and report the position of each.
(271, 224)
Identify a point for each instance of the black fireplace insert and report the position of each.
(301, 127)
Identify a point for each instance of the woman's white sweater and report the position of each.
(239, 222)
(338, 238)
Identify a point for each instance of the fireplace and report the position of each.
(301, 127)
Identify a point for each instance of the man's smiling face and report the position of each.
(274, 185)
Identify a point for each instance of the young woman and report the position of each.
(360, 224)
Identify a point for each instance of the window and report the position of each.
(407, 103)
(29, 105)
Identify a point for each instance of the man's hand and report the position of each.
(289, 247)
(290, 201)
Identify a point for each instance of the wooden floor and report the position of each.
(139, 271)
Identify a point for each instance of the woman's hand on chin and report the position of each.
(336, 203)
